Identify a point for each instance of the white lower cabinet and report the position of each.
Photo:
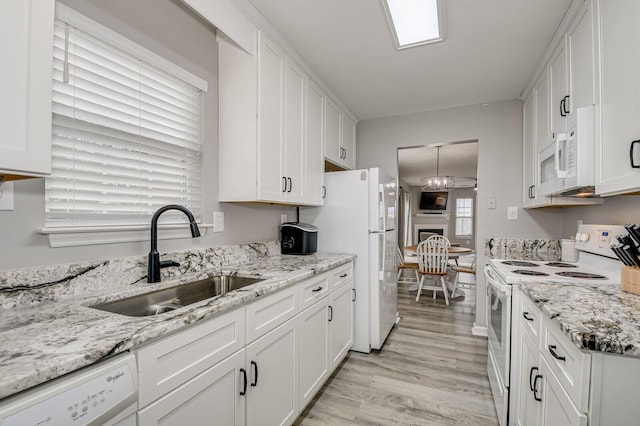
(272, 360)
(212, 397)
(314, 349)
(528, 395)
(557, 408)
(341, 329)
(259, 364)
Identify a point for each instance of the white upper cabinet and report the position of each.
(340, 136)
(542, 92)
(559, 82)
(314, 129)
(265, 152)
(580, 44)
(529, 151)
(26, 44)
(618, 141)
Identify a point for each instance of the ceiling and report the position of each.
(459, 160)
(491, 51)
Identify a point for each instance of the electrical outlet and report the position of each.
(218, 221)
(512, 213)
(6, 196)
(491, 203)
(284, 218)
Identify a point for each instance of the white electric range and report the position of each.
(597, 263)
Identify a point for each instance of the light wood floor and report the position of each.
(430, 371)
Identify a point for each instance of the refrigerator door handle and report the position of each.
(383, 247)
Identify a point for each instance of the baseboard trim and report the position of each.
(479, 331)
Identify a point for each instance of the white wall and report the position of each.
(171, 30)
(498, 128)
(615, 211)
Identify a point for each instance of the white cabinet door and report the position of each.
(271, 69)
(620, 97)
(332, 132)
(558, 71)
(341, 328)
(26, 45)
(213, 397)
(314, 158)
(527, 407)
(348, 142)
(314, 349)
(272, 363)
(581, 59)
(294, 135)
(528, 151)
(557, 408)
(543, 117)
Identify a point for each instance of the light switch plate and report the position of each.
(283, 218)
(491, 203)
(6, 196)
(218, 221)
(512, 213)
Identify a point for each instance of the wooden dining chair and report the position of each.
(433, 260)
(465, 276)
(410, 267)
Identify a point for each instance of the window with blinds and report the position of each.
(127, 134)
(464, 217)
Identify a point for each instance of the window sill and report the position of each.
(66, 236)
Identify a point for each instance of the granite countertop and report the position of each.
(46, 340)
(596, 317)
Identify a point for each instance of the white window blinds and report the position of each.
(464, 217)
(126, 137)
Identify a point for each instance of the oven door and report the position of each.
(499, 332)
(552, 166)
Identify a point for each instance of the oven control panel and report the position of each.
(596, 239)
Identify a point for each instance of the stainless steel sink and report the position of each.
(169, 299)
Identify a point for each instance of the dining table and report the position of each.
(455, 252)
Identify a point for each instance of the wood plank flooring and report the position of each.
(431, 371)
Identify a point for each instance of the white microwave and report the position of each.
(568, 163)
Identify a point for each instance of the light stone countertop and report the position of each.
(596, 317)
(45, 340)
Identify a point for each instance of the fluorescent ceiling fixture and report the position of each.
(414, 22)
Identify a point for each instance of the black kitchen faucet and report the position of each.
(153, 275)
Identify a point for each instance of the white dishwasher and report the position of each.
(102, 394)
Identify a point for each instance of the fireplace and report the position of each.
(425, 230)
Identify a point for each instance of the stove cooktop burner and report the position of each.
(583, 275)
(561, 265)
(520, 263)
(528, 272)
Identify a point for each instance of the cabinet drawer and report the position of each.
(267, 313)
(341, 275)
(314, 289)
(170, 362)
(570, 365)
(530, 318)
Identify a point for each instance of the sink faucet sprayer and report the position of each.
(153, 274)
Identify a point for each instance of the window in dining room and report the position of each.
(464, 217)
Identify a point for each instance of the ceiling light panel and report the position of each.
(414, 22)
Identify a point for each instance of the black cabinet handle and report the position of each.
(345, 154)
(244, 387)
(324, 191)
(552, 350)
(330, 313)
(531, 377)
(255, 373)
(284, 184)
(535, 388)
(290, 184)
(633, 163)
(343, 275)
(315, 290)
(566, 102)
(526, 316)
(562, 108)
(353, 299)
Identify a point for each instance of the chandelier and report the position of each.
(437, 182)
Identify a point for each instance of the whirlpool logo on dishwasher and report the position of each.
(115, 376)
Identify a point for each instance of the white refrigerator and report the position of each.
(359, 216)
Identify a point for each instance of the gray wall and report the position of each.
(615, 211)
(498, 128)
(177, 34)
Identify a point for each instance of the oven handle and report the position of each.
(495, 282)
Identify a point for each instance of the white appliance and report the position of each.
(597, 263)
(568, 164)
(104, 394)
(359, 216)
